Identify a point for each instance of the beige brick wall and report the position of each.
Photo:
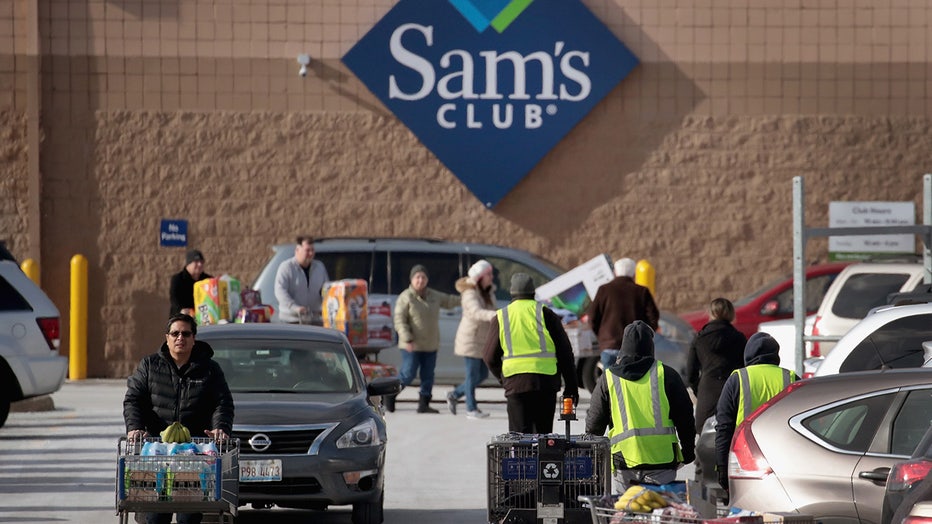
(13, 181)
(195, 111)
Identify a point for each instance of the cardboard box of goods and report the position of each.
(232, 291)
(142, 485)
(250, 297)
(381, 327)
(186, 487)
(210, 301)
(346, 309)
(260, 313)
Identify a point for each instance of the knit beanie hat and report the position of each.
(192, 256)
(522, 285)
(638, 340)
(418, 268)
(478, 269)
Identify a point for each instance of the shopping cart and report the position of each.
(181, 483)
(538, 478)
(602, 512)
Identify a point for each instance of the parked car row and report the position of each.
(774, 300)
(848, 312)
(857, 290)
(826, 446)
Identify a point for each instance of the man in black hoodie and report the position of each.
(648, 413)
(746, 390)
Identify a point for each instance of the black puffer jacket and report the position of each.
(197, 395)
(716, 351)
(637, 357)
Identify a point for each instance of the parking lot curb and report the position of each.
(29, 405)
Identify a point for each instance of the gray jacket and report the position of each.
(293, 290)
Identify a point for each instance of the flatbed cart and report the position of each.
(181, 483)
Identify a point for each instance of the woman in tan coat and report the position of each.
(479, 307)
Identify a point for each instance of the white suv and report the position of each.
(858, 289)
(29, 339)
(889, 337)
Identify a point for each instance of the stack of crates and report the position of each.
(534, 477)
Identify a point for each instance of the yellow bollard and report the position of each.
(77, 340)
(31, 268)
(644, 275)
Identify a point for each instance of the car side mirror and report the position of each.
(770, 308)
(383, 386)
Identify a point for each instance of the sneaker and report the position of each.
(451, 402)
(476, 414)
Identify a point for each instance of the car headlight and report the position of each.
(363, 435)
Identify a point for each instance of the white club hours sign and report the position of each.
(871, 214)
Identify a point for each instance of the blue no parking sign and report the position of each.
(173, 233)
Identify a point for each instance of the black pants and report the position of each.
(532, 412)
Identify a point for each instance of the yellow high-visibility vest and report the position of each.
(758, 384)
(526, 343)
(642, 430)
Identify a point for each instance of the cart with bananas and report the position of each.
(654, 505)
(177, 474)
(642, 504)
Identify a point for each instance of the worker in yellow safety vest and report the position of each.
(648, 412)
(528, 352)
(747, 389)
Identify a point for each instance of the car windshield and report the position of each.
(284, 366)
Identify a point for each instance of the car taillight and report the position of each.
(746, 460)
(917, 520)
(50, 328)
(903, 475)
(816, 351)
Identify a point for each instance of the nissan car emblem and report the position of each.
(260, 442)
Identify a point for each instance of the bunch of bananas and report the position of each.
(175, 433)
(640, 500)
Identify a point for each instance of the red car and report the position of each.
(774, 301)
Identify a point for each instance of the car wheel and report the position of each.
(369, 512)
(590, 370)
(4, 409)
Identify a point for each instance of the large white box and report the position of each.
(577, 287)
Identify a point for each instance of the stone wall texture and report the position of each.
(688, 163)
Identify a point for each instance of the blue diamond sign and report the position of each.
(490, 86)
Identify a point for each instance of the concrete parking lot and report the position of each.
(58, 466)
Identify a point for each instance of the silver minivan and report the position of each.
(385, 263)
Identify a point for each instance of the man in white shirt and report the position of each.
(298, 285)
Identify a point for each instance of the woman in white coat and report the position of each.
(479, 307)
